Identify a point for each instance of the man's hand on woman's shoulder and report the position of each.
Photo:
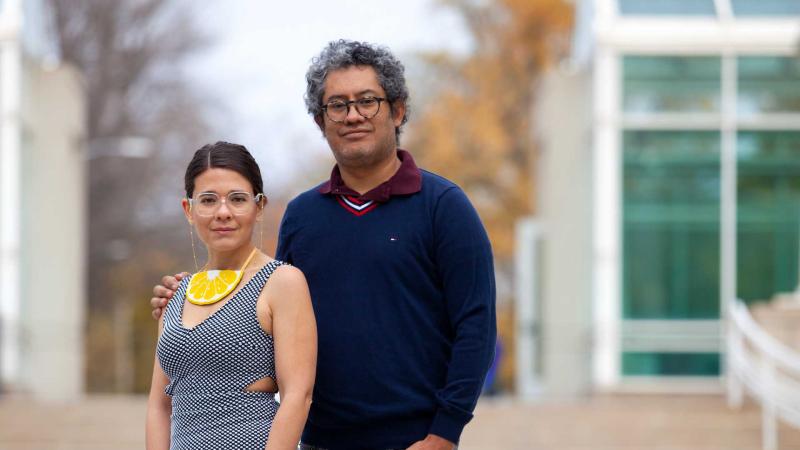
(162, 293)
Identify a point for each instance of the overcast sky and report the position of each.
(262, 51)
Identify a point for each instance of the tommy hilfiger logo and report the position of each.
(356, 206)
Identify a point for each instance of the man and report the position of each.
(399, 267)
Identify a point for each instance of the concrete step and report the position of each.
(622, 422)
(95, 423)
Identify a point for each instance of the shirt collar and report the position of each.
(407, 180)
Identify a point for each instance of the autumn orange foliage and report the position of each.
(475, 126)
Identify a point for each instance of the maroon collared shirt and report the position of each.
(407, 180)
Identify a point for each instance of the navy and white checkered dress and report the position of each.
(209, 367)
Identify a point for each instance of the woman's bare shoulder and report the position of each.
(287, 283)
(288, 274)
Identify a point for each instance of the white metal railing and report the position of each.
(764, 367)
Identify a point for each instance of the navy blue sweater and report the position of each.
(404, 298)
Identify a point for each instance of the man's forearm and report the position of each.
(472, 354)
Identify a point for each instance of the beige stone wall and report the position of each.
(54, 227)
(564, 181)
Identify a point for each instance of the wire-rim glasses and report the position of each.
(206, 204)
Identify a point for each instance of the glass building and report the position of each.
(678, 124)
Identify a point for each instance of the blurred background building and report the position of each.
(635, 163)
(43, 210)
(668, 185)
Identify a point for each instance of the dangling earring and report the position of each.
(194, 254)
(261, 233)
(261, 222)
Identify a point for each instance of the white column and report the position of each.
(606, 10)
(10, 87)
(728, 183)
(724, 9)
(607, 293)
(528, 234)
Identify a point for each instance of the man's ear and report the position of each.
(398, 110)
(320, 120)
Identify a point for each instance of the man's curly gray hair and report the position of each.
(344, 53)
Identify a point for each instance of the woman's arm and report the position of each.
(159, 408)
(294, 330)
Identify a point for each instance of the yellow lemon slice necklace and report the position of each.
(210, 286)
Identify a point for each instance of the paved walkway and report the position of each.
(622, 423)
(601, 423)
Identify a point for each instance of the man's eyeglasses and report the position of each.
(367, 107)
(238, 202)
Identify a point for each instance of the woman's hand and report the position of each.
(162, 293)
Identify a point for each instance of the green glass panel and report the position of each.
(768, 213)
(671, 192)
(667, 7)
(675, 364)
(671, 84)
(765, 7)
(768, 84)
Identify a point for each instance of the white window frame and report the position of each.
(615, 36)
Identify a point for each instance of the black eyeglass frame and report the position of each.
(355, 105)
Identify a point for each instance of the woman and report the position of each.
(235, 333)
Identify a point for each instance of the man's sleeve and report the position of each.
(464, 262)
(285, 232)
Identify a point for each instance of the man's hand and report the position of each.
(433, 442)
(163, 292)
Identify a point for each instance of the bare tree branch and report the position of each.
(132, 54)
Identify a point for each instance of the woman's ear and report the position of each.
(187, 210)
(262, 203)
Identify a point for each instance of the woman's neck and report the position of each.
(230, 260)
